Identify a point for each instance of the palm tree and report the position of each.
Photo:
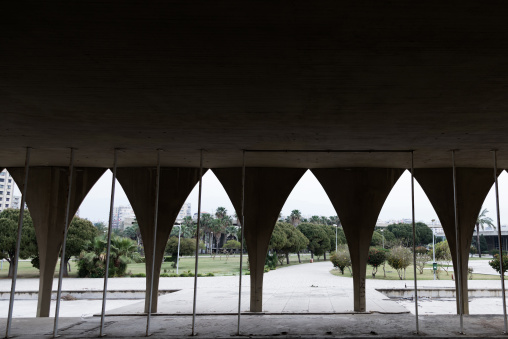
(188, 227)
(335, 220)
(315, 219)
(295, 217)
(220, 224)
(482, 220)
(206, 222)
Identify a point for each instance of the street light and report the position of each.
(433, 252)
(383, 235)
(335, 237)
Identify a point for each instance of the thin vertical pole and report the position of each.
(108, 251)
(241, 246)
(414, 240)
(178, 251)
(62, 257)
(457, 246)
(197, 243)
(18, 243)
(156, 214)
(501, 263)
(433, 252)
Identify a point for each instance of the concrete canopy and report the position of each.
(227, 76)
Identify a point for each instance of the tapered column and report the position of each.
(139, 185)
(47, 201)
(473, 185)
(358, 194)
(266, 191)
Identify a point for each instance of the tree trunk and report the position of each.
(65, 272)
(11, 268)
(299, 260)
(324, 256)
(287, 258)
(478, 247)
(311, 255)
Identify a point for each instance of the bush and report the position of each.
(494, 252)
(376, 258)
(271, 261)
(341, 259)
(495, 264)
(421, 260)
(400, 258)
(210, 274)
(140, 275)
(421, 250)
(164, 275)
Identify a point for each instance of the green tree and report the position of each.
(81, 231)
(400, 258)
(232, 245)
(319, 240)
(482, 220)
(220, 224)
(287, 239)
(404, 233)
(295, 217)
(377, 239)
(443, 254)
(483, 243)
(101, 227)
(341, 259)
(8, 237)
(495, 264)
(133, 232)
(315, 219)
(376, 258)
(187, 246)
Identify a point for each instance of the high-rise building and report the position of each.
(120, 213)
(7, 199)
(185, 211)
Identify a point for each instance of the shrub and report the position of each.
(341, 259)
(210, 274)
(164, 275)
(421, 250)
(400, 258)
(494, 252)
(495, 264)
(421, 260)
(140, 275)
(271, 261)
(376, 258)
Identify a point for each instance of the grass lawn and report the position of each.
(218, 266)
(391, 274)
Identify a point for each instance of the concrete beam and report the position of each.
(473, 185)
(358, 194)
(266, 191)
(46, 199)
(139, 185)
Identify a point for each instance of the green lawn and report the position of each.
(391, 274)
(218, 266)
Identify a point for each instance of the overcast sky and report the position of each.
(308, 196)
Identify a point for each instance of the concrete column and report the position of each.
(358, 194)
(46, 199)
(473, 185)
(266, 191)
(139, 186)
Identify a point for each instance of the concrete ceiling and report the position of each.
(230, 75)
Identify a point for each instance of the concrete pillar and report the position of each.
(266, 191)
(46, 199)
(358, 194)
(139, 186)
(473, 185)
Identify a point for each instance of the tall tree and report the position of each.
(295, 217)
(315, 219)
(482, 220)
(319, 240)
(221, 223)
(80, 232)
(287, 239)
(8, 237)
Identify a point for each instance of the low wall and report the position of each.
(84, 294)
(439, 292)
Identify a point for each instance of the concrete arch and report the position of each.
(47, 201)
(473, 185)
(358, 194)
(139, 185)
(266, 190)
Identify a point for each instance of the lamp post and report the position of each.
(383, 235)
(178, 251)
(433, 252)
(335, 237)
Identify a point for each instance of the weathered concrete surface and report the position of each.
(190, 75)
(358, 194)
(139, 185)
(266, 191)
(473, 184)
(46, 198)
(267, 326)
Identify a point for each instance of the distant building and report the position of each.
(185, 211)
(7, 199)
(120, 214)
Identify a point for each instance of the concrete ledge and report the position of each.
(84, 294)
(442, 292)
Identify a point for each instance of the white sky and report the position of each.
(308, 196)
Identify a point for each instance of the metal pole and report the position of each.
(197, 243)
(62, 257)
(108, 251)
(433, 252)
(336, 227)
(156, 213)
(18, 244)
(414, 240)
(178, 251)
(457, 246)
(501, 263)
(241, 246)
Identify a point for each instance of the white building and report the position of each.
(185, 211)
(120, 213)
(7, 198)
